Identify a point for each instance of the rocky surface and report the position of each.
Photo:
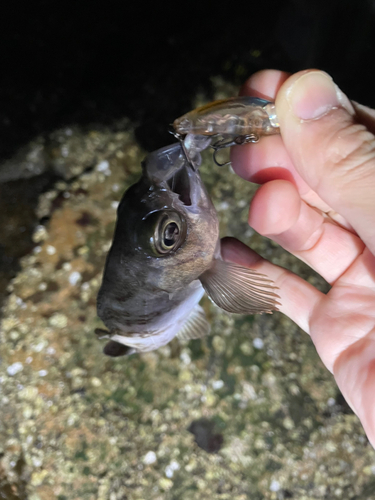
(249, 412)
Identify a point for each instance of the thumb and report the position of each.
(332, 151)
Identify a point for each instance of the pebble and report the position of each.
(15, 368)
(246, 348)
(165, 484)
(96, 382)
(275, 485)
(51, 250)
(102, 166)
(149, 458)
(219, 344)
(217, 384)
(40, 234)
(258, 343)
(58, 320)
(185, 358)
(74, 277)
(171, 468)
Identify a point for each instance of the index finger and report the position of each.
(268, 159)
(264, 84)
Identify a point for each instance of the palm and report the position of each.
(344, 318)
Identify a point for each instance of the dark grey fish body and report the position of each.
(144, 297)
(165, 254)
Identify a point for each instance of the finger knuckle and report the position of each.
(351, 153)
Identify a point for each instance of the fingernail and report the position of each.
(313, 95)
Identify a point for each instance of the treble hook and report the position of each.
(237, 141)
(215, 159)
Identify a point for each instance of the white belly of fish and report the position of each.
(167, 327)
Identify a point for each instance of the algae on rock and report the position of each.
(78, 425)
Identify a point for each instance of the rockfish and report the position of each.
(165, 254)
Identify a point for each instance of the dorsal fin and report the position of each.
(238, 289)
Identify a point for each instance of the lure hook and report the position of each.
(237, 141)
(215, 159)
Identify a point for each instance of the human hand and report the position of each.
(317, 200)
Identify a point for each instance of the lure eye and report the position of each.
(182, 125)
(168, 232)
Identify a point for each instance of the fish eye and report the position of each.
(168, 232)
(170, 235)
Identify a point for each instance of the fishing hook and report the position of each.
(237, 141)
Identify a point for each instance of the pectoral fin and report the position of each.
(196, 326)
(238, 289)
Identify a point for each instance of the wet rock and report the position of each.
(85, 425)
(30, 161)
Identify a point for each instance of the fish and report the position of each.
(164, 256)
(238, 120)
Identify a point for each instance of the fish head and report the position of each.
(167, 228)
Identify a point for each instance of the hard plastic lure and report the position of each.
(238, 120)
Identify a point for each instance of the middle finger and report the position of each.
(278, 212)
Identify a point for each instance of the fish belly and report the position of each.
(167, 327)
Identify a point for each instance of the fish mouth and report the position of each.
(181, 183)
(169, 167)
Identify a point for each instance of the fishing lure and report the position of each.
(238, 120)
